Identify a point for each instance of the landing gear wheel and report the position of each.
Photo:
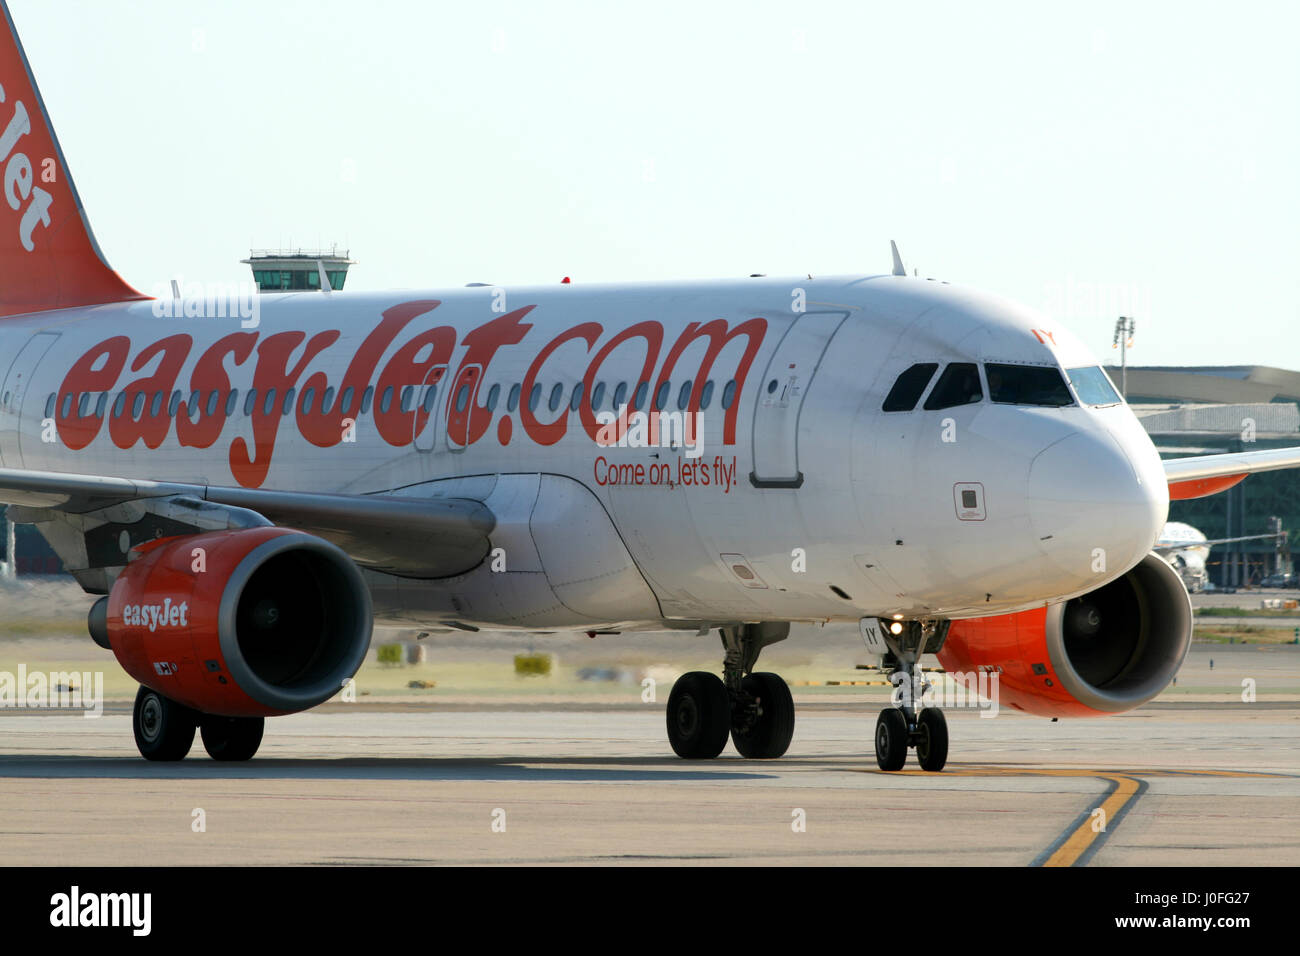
(767, 736)
(231, 738)
(891, 739)
(699, 716)
(164, 729)
(932, 740)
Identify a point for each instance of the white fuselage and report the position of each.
(801, 499)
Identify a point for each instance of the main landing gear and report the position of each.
(164, 730)
(909, 725)
(755, 709)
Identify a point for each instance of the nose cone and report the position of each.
(1093, 511)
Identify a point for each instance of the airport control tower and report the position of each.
(280, 270)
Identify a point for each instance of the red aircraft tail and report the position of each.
(48, 256)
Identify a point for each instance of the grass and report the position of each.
(1242, 634)
(1245, 612)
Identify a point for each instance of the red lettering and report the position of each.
(553, 432)
(718, 336)
(209, 375)
(273, 372)
(653, 333)
(325, 428)
(153, 422)
(468, 426)
(77, 431)
(397, 426)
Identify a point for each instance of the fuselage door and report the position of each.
(780, 398)
(427, 410)
(462, 407)
(13, 396)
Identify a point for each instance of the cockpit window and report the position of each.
(1027, 385)
(958, 385)
(1093, 386)
(909, 386)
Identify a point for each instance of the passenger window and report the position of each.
(684, 395)
(620, 395)
(367, 397)
(174, 404)
(494, 395)
(958, 385)
(232, 402)
(462, 398)
(250, 401)
(327, 400)
(49, 405)
(386, 400)
(288, 402)
(345, 401)
(638, 397)
(661, 396)
(597, 395)
(430, 396)
(729, 394)
(100, 405)
(137, 406)
(909, 386)
(557, 393)
(268, 403)
(156, 405)
(576, 399)
(512, 400)
(214, 402)
(308, 397)
(1026, 385)
(706, 395)
(119, 404)
(534, 397)
(83, 406)
(408, 398)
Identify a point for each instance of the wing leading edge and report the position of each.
(412, 537)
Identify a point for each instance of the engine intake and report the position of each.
(247, 622)
(1106, 652)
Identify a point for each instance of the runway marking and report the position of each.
(1079, 842)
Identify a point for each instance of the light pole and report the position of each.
(1123, 339)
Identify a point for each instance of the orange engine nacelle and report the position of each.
(244, 623)
(1108, 651)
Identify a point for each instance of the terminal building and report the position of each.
(1204, 410)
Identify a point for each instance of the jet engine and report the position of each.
(240, 623)
(1106, 652)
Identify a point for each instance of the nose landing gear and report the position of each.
(909, 726)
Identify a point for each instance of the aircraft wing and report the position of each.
(1184, 545)
(413, 537)
(1203, 475)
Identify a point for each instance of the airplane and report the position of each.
(1187, 549)
(248, 496)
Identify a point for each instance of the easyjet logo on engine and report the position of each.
(279, 364)
(19, 180)
(154, 616)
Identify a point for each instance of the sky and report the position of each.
(1105, 159)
